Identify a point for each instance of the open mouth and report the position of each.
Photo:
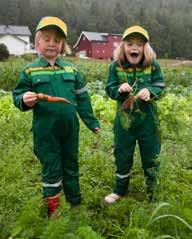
(134, 57)
(134, 54)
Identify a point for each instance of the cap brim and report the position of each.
(52, 21)
(52, 26)
(136, 29)
(144, 37)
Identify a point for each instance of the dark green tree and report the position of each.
(119, 15)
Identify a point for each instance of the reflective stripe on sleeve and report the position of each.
(52, 185)
(123, 176)
(161, 84)
(79, 91)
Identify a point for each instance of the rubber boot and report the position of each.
(52, 204)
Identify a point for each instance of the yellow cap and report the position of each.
(136, 29)
(52, 21)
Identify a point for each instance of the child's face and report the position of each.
(134, 50)
(50, 44)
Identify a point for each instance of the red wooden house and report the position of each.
(97, 45)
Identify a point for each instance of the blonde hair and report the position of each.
(65, 49)
(149, 53)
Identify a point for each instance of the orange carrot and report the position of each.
(49, 98)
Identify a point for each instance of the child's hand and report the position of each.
(30, 98)
(125, 87)
(96, 130)
(144, 94)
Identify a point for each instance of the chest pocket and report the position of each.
(145, 76)
(145, 81)
(42, 84)
(68, 77)
(68, 81)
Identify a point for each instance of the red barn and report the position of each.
(97, 45)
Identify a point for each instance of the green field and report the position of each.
(22, 211)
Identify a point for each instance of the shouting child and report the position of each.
(135, 81)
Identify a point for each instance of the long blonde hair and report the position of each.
(65, 49)
(149, 53)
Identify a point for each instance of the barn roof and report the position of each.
(95, 36)
(15, 30)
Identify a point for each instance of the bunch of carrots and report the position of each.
(129, 103)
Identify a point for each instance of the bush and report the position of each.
(28, 56)
(4, 52)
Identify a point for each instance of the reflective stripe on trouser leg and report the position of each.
(124, 150)
(52, 185)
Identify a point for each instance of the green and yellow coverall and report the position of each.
(140, 124)
(55, 125)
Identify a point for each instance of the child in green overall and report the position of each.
(55, 124)
(135, 81)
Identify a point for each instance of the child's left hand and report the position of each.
(96, 130)
(144, 94)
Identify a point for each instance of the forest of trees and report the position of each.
(169, 22)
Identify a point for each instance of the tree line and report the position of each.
(168, 21)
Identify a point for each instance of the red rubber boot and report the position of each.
(52, 204)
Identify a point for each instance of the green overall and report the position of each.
(137, 125)
(56, 125)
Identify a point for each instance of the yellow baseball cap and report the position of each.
(136, 29)
(52, 21)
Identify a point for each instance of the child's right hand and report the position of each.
(125, 87)
(30, 98)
